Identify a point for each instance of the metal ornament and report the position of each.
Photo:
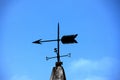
(58, 71)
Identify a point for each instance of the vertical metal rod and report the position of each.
(58, 44)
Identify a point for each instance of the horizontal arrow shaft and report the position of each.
(49, 40)
(39, 41)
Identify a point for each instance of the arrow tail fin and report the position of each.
(75, 35)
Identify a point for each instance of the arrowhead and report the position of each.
(37, 42)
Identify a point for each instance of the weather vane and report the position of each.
(58, 71)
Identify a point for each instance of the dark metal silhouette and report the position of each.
(40, 42)
(58, 71)
(68, 39)
(58, 44)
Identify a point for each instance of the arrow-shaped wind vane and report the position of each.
(67, 39)
(58, 71)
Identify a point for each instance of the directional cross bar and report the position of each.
(67, 55)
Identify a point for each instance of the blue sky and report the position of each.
(95, 57)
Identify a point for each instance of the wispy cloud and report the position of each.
(99, 69)
(87, 64)
(95, 78)
(22, 77)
